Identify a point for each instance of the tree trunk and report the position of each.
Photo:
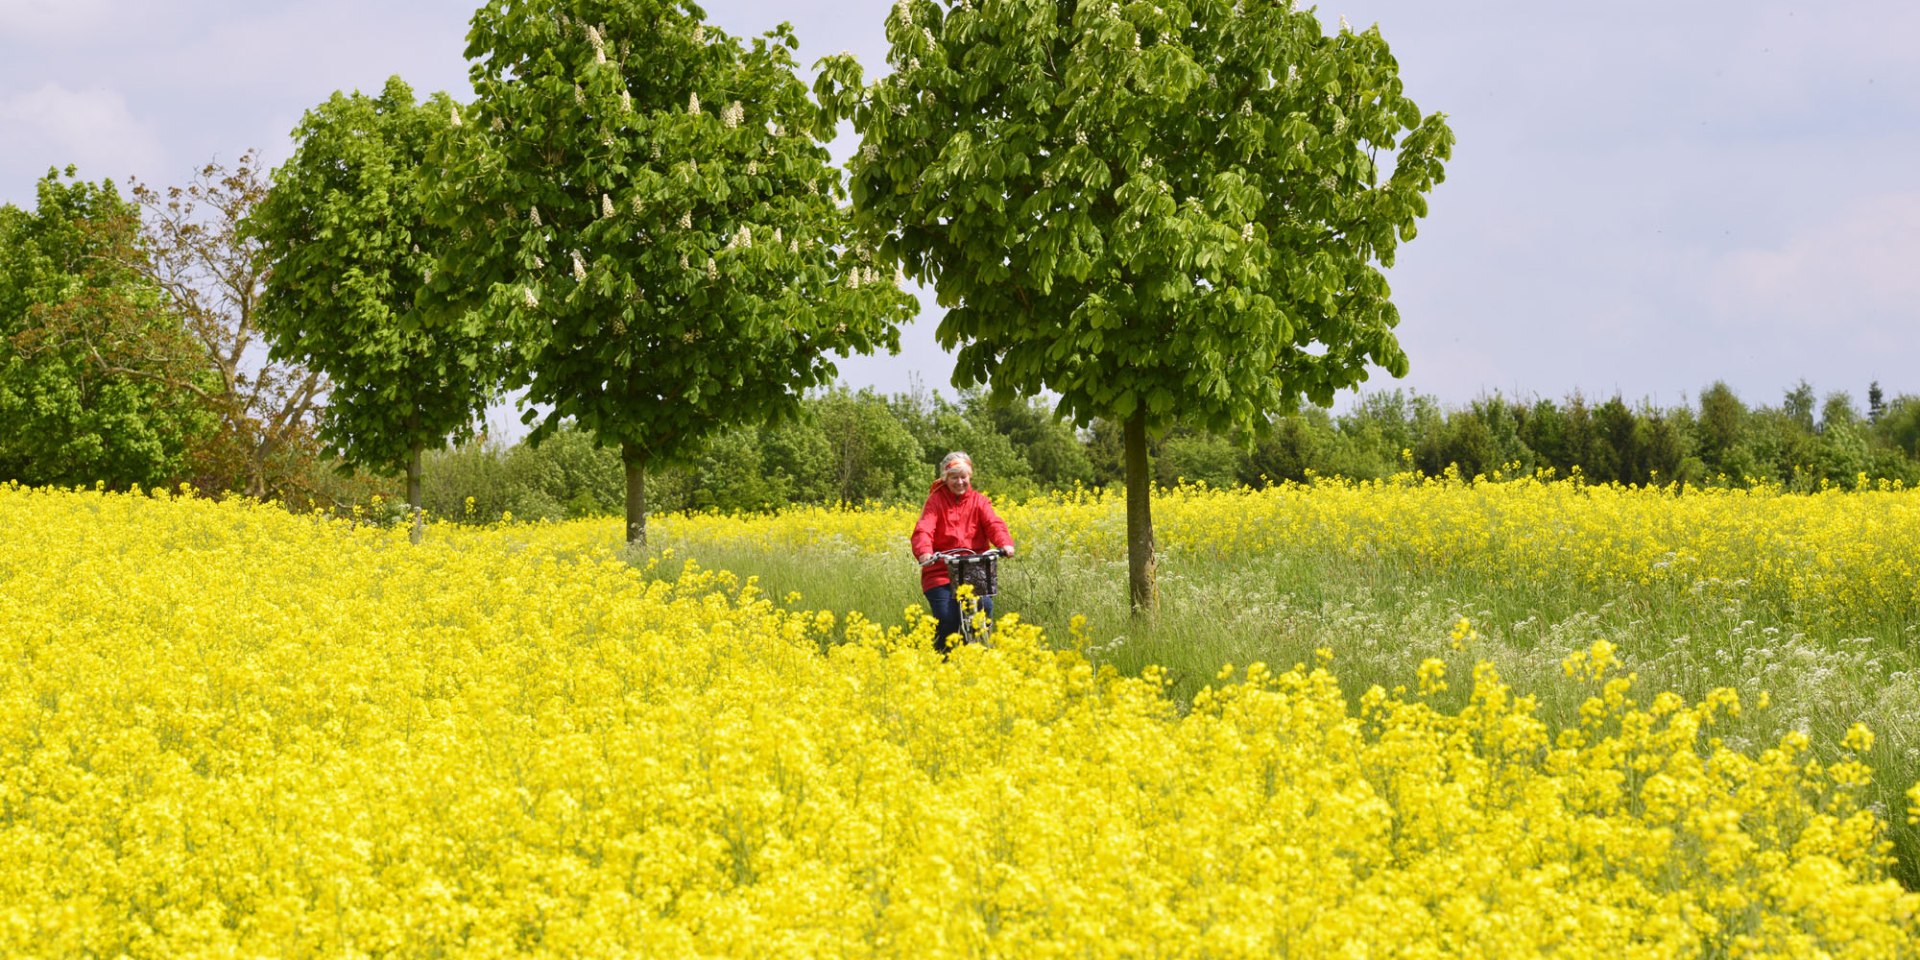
(636, 463)
(1141, 585)
(413, 495)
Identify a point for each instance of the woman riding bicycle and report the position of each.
(956, 517)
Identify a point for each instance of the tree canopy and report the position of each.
(646, 202)
(87, 346)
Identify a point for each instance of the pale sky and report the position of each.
(1645, 196)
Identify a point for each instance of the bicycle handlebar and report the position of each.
(963, 555)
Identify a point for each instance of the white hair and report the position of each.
(957, 456)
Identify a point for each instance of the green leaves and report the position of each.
(1178, 198)
(353, 289)
(691, 266)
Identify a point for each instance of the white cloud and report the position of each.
(52, 126)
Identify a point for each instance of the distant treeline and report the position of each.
(857, 446)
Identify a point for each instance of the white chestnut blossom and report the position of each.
(1246, 233)
(579, 267)
(626, 101)
(533, 215)
(753, 168)
(606, 205)
(456, 116)
(686, 220)
(528, 297)
(731, 117)
(693, 104)
(713, 269)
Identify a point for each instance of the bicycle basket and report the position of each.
(982, 573)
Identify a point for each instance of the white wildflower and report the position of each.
(579, 267)
(693, 104)
(606, 205)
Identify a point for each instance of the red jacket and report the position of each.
(948, 522)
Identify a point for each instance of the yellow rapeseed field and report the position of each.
(226, 730)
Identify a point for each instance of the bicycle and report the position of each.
(981, 571)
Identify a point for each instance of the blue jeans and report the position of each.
(946, 609)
